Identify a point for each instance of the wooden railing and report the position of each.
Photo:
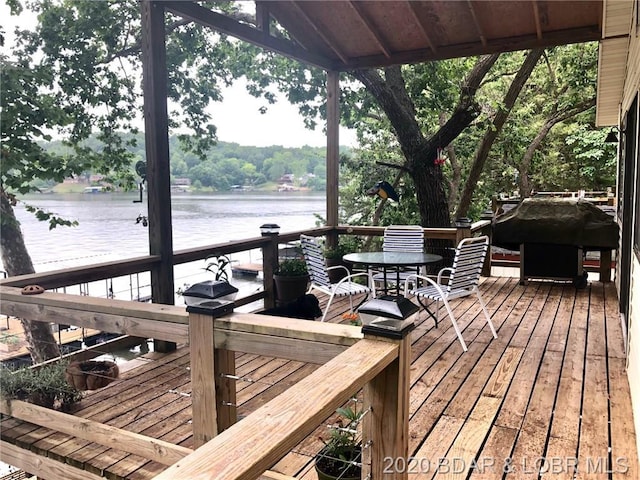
(226, 449)
(268, 245)
(378, 366)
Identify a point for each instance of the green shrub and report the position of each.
(292, 267)
(45, 386)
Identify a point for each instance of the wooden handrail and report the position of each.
(351, 364)
(251, 333)
(248, 448)
(101, 271)
(163, 452)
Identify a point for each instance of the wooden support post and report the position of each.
(486, 266)
(224, 364)
(333, 146)
(605, 266)
(203, 395)
(462, 233)
(269, 267)
(158, 178)
(386, 425)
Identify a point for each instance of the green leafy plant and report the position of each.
(218, 266)
(293, 267)
(346, 244)
(341, 455)
(45, 386)
(9, 339)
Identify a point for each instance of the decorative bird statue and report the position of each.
(384, 190)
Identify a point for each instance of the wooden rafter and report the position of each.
(536, 16)
(263, 17)
(321, 33)
(423, 29)
(377, 37)
(224, 24)
(483, 38)
(583, 34)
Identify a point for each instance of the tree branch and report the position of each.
(495, 128)
(554, 119)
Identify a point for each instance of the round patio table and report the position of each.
(392, 261)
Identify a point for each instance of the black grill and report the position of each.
(553, 235)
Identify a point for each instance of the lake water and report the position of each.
(107, 227)
(108, 230)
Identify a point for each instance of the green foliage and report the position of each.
(9, 339)
(342, 447)
(292, 267)
(77, 76)
(346, 244)
(45, 385)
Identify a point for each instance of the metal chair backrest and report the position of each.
(467, 263)
(314, 257)
(403, 238)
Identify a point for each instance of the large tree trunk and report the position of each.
(419, 152)
(16, 260)
(494, 130)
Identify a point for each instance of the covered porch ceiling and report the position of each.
(342, 35)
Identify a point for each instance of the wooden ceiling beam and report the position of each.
(263, 18)
(325, 38)
(577, 35)
(221, 23)
(422, 26)
(483, 38)
(536, 17)
(375, 33)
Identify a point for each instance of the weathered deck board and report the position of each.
(551, 391)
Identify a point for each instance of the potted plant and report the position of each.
(91, 374)
(291, 279)
(9, 342)
(45, 386)
(333, 256)
(341, 456)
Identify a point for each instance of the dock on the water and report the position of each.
(246, 269)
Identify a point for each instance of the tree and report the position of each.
(72, 78)
(494, 130)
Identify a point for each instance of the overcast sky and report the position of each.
(237, 118)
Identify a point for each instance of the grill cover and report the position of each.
(555, 221)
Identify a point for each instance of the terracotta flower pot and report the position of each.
(91, 374)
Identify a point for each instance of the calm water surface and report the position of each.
(107, 227)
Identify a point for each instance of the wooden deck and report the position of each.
(551, 391)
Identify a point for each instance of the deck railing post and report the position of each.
(605, 265)
(212, 401)
(385, 427)
(486, 266)
(269, 267)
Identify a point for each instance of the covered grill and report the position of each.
(553, 235)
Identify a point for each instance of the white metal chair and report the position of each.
(400, 238)
(464, 277)
(320, 278)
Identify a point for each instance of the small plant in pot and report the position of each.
(341, 456)
(291, 279)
